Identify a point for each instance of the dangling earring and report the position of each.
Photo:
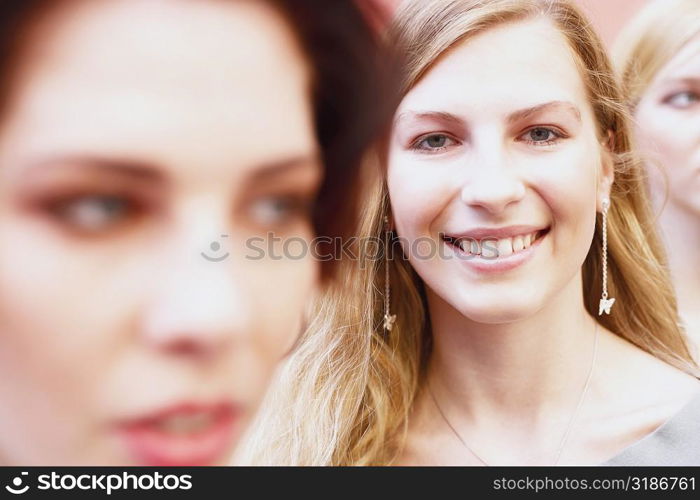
(389, 318)
(605, 302)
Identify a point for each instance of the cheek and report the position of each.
(419, 193)
(668, 143)
(280, 292)
(69, 303)
(49, 361)
(55, 299)
(569, 191)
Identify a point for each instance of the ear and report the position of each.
(606, 173)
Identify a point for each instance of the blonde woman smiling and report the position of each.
(562, 347)
(659, 61)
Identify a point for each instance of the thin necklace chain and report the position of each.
(568, 428)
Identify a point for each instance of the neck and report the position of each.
(520, 370)
(680, 232)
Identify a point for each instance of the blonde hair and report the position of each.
(345, 395)
(650, 41)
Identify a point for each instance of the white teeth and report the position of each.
(489, 250)
(518, 243)
(475, 247)
(505, 247)
(495, 248)
(469, 245)
(185, 424)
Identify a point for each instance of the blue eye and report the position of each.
(275, 210)
(434, 143)
(541, 136)
(682, 100)
(93, 213)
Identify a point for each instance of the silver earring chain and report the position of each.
(389, 319)
(606, 205)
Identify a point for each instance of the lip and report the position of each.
(480, 233)
(501, 264)
(149, 444)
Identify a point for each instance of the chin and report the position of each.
(500, 308)
(496, 315)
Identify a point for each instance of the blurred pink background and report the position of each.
(608, 16)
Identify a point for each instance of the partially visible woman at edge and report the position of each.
(134, 136)
(508, 144)
(658, 57)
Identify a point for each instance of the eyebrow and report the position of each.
(521, 114)
(289, 165)
(129, 168)
(688, 80)
(428, 115)
(547, 106)
(152, 174)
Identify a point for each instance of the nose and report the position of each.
(196, 315)
(197, 308)
(492, 182)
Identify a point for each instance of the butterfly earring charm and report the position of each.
(605, 305)
(389, 320)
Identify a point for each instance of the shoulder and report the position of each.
(675, 442)
(651, 407)
(633, 371)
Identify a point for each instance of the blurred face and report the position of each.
(668, 128)
(145, 142)
(495, 163)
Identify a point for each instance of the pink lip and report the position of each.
(480, 233)
(151, 445)
(501, 264)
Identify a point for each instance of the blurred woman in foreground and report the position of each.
(142, 146)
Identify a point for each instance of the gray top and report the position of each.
(675, 442)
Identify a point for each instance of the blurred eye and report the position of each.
(682, 100)
(541, 136)
(277, 210)
(433, 143)
(93, 213)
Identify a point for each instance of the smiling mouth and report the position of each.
(491, 247)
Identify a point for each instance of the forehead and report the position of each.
(685, 63)
(145, 75)
(514, 65)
